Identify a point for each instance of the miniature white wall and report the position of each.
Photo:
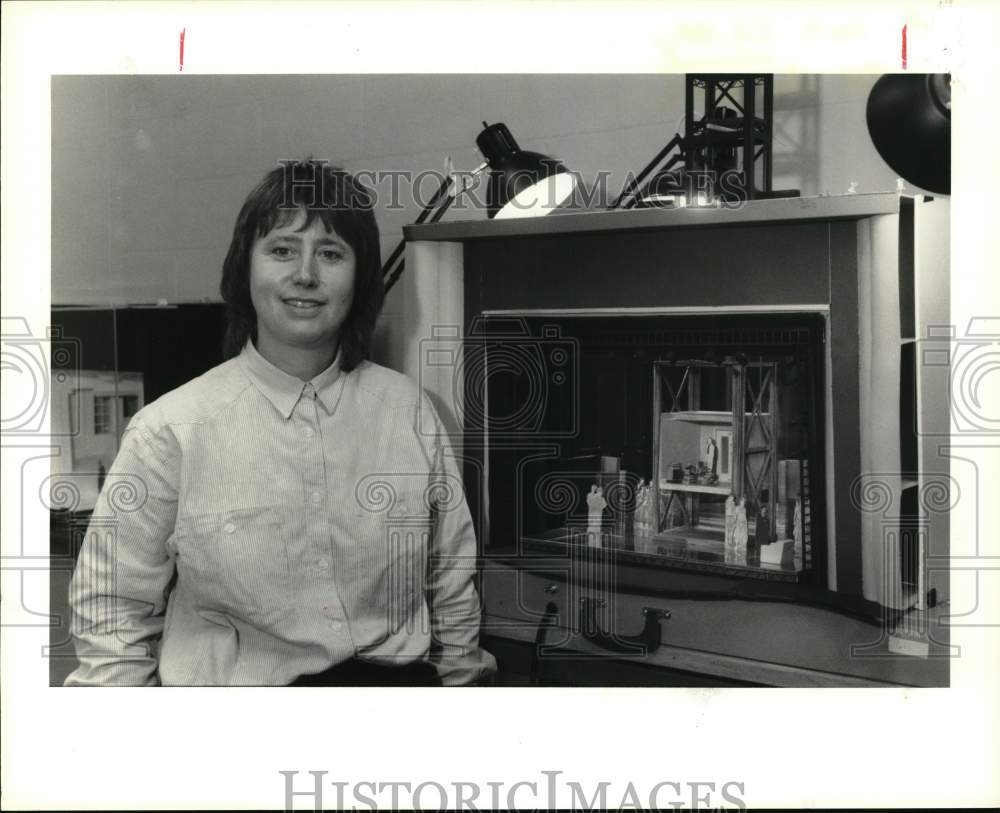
(73, 417)
(149, 171)
(680, 442)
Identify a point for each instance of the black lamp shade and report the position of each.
(542, 182)
(909, 120)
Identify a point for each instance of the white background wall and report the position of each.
(148, 172)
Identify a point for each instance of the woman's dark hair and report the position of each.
(344, 206)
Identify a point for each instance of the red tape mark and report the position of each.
(184, 31)
(904, 48)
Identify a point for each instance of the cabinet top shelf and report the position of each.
(700, 416)
(826, 207)
(695, 488)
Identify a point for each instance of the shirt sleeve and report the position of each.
(454, 601)
(118, 594)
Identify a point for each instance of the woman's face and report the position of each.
(301, 286)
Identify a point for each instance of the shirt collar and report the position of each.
(284, 390)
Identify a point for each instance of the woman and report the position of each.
(295, 515)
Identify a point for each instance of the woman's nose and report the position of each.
(305, 272)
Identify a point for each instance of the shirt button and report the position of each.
(308, 432)
(323, 564)
(229, 527)
(315, 497)
(336, 626)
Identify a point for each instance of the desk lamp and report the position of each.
(521, 184)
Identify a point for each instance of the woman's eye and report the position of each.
(330, 255)
(281, 252)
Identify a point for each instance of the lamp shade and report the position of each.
(909, 120)
(521, 183)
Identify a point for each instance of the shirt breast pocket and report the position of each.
(237, 561)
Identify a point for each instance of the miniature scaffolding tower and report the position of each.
(725, 150)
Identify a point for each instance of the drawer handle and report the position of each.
(547, 621)
(646, 641)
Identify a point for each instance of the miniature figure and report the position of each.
(712, 456)
(740, 532)
(675, 513)
(762, 534)
(640, 517)
(649, 516)
(596, 503)
(797, 527)
(730, 529)
(595, 510)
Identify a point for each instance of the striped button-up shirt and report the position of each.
(254, 528)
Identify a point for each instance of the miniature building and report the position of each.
(92, 408)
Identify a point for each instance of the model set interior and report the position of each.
(696, 437)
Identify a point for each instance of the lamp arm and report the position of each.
(444, 207)
(391, 279)
(635, 183)
(640, 192)
(442, 190)
(389, 274)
